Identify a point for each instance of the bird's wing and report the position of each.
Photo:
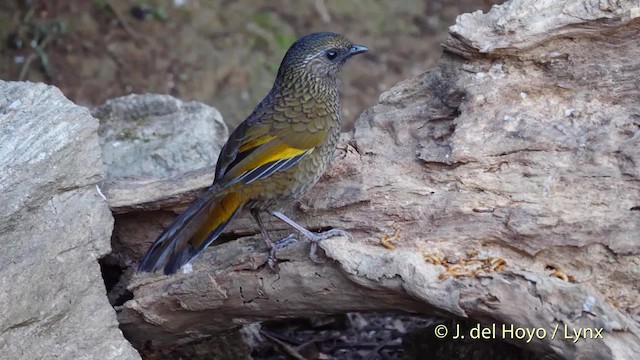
(264, 160)
(261, 146)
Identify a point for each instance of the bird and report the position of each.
(271, 159)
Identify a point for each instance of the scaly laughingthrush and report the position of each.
(272, 158)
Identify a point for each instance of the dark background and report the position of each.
(221, 52)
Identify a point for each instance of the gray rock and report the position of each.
(158, 136)
(54, 225)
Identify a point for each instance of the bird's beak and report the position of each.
(357, 49)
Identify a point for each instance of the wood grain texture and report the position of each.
(522, 144)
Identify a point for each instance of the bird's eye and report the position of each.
(331, 54)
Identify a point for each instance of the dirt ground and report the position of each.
(220, 52)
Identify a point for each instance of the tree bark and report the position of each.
(514, 166)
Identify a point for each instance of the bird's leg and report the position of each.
(273, 246)
(314, 238)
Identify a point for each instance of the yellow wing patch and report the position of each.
(284, 152)
(268, 152)
(255, 143)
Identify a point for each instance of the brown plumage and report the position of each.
(272, 158)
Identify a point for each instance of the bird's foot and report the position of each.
(275, 246)
(315, 238)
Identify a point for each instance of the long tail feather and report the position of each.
(191, 232)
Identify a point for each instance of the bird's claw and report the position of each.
(280, 244)
(315, 238)
(329, 234)
(313, 254)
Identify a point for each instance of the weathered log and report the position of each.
(521, 145)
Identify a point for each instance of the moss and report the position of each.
(128, 134)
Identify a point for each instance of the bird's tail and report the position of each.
(191, 232)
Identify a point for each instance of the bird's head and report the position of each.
(320, 55)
